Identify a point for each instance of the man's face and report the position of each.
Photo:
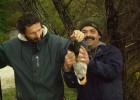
(34, 32)
(92, 36)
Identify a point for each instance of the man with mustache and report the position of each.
(37, 57)
(104, 81)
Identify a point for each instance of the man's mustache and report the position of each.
(89, 37)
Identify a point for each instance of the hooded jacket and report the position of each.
(103, 75)
(37, 65)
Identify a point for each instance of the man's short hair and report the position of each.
(27, 19)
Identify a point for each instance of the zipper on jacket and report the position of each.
(37, 61)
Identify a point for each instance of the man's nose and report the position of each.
(88, 33)
(37, 35)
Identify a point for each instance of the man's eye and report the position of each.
(84, 31)
(32, 33)
(40, 29)
(92, 31)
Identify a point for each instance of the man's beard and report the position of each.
(34, 40)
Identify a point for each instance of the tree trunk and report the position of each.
(64, 15)
(112, 29)
(35, 7)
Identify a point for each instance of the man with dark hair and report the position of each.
(36, 57)
(104, 68)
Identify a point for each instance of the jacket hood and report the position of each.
(22, 36)
(99, 48)
(101, 43)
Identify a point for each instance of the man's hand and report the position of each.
(69, 61)
(83, 55)
(77, 35)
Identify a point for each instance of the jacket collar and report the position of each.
(22, 37)
(101, 43)
(98, 48)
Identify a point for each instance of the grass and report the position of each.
(70, 93)
(9, 93)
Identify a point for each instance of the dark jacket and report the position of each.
(103, 76)
(37, 66)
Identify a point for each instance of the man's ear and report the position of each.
(100, 37)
